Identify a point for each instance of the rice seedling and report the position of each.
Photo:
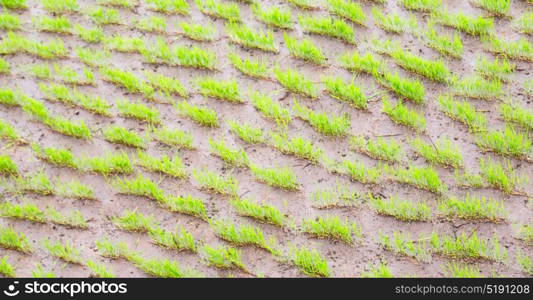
(450, 45)
(507, 142)
(295, 82)
(55, 25)
(128, 80)
(226, 185)
(99, 270)
(328, 26)
(473, 208)
(201, 115)
(273, 16)
(525, 233)
(475, 26)
(5, 67)
(173, 167)
(336, 197)
(520, 49)
(463, 112)
(9, 22)
(26, 211)
(93, 58)
(14, 4)
(363, 63)
(277, 177)
(223, 257)
(380, 270)
(348, 10)
(134, 221)
(180, 239)
(246, 132)
(332, 228)
(198, 32)
(250, 38)
(456, 270)
(468, 246)
(40, 272)
(347, 92)
(524, 23)
(172, 137)
(252, 68)
(378, 148)
(38, 183)
(270, 109)
(410, 89)
(422, 5)
(516, 114)
(139, 186)
(124, 44)
(310, 262)
(259, 211)
(60, 7)
(223, 90)
(525, 262)
(62, 73)
(479, 88)
(186, 205)
(194, 57)
(169, 6)
(393, 22)
(227, 11)
(89, 35)
(425, 178)
(234, 157)
(402, 244)
(501, 176)
(402, 115)
(6, 268)
(8, 133)
(129, 4)
(435, 70)
(76, 190)
(74, 219)
(401, 209)
(105, 16)
(121, 135)
(8, 97)
(359, 172)
(296, 146)
(14, 43)
(57, 156)
(166, 85)
(62, 93)
(304, 49)
(443, 152)
(495, 69)
(304, 4)
(112, 250)
(496, 7)
(108, 163)
(152, 24)
(139, 111)
(10, 239)
(333, 125)
(67, 251)
(243, 235)
(162, 268)
(7, 166)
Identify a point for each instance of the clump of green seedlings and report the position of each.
(108, 163)
(401, 209)
(347, 92)
(105, 16)
(243, 235)
(8, 133)
(152, 24)
(166, 85)
(334, 125)
(128, 80)
(259, 211)
(393, 22)
(476, 26)
(450, 45)
(169, 166)
(468, 246)
(517, 114)
(402, 244)
(67, 251)
(252, 68)
(9, 22)
(479, 88)
(422, 177)
(90, 35)
(63, 73)
(246, 132)
(162, 268)
(121, 135)
(9, 98)
(62, 93)
(234, 157)
(10, 239)
(336, 197)
(296, 146)
(519, 49)
(295, 82)
(277, 177)
(411, 89)
(99, 270)
(358, 171)
(118, 250)
(138, 186)
(198, 32)
(5, 68)
(139, 111)
(201, 115)
(273, 16)
(473, 208)
(346, 9)
(60, 7)
(495, 69)
(26, 211)
(134, 221)
(507, 142)
(328, 26)
(50, 24)
(524, 23)
(525, 233)
(180, 239)
(227, 11)
(496, 7)
(186, 205)
(380, 270)
(218, 89)
(37, 183)
(270, 109)
(525, 262)
(223, 257)
(124, 44)
(304, 49)
(496, 175)
(457, 270)
(14, 4)
(169, 6)
(14, 43)
(172, 137)
(304, 4)
(226, 185)
(367, 63)
(193, 57)
(75, 190)
(40, 272)
(378, 148)
(332, 228)
(6, 268)
(463, 112)
(443, 152)
(92, 58)
(402, 115)
(310, 262)
(7, 166)
(422, 5)
(129, 4)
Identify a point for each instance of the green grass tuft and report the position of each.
(328, 125)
